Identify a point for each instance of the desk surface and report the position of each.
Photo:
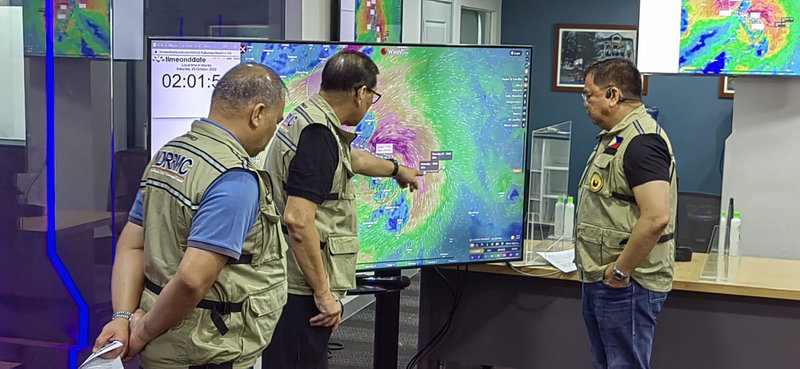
(757, 277)
(68, 219)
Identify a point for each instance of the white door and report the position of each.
(437, 20)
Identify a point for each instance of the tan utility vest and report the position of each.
(607, 210)
(336, 218)
(172, 188)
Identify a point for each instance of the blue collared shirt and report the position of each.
(227, 211)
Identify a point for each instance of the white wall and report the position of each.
(128, 35)
(412, 21)
(316, 20)
(12, 75)
(762, 165)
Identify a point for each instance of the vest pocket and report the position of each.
(589, 246)
(260, 314)
(341, 255)
(613, 244)
(270, 247)
(599, 175)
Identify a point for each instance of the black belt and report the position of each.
(243, 259)
(217, 308)
(622, 197)
(228, 365)
(663, 238)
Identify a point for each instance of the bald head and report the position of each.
(248, 101)
(245, 85)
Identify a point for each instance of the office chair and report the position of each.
(698, 213)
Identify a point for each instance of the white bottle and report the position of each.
(723, 228)
(721, 260)
(569, 219)
(559, 218)
(736, 228)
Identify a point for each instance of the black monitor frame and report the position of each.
(525, 125)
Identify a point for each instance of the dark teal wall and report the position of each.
(696, 120)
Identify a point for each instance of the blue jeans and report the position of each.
(621, 323)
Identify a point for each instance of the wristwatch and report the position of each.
(122, 314)
(618, 274)
(396, 167)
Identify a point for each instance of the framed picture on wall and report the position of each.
(578, 46)
(726, 87)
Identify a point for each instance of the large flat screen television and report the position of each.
(81, 28)
(736, 37)
(458, 113)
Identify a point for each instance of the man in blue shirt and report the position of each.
(202, 252)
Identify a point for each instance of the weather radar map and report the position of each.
(378, 20)
(82, 28)
(750, 37)
(456, 113)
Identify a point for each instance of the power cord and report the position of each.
(457, 292)
(334, 346)
(533, 275)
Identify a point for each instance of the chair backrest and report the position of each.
(698, 213)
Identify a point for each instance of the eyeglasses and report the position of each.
(586, 96)
(375, 96)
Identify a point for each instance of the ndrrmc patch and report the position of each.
(596, 182)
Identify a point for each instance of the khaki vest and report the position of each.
(607, 211)
(173, 185)
(336, 218)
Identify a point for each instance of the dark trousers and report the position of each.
(295, 343)
(621, 323)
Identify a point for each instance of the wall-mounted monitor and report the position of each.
(736, 37)
(458, 113)
(370, 20)
(81, 28)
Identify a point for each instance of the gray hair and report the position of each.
(245, 85)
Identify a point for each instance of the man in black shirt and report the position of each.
(311, 166)
(626, 205)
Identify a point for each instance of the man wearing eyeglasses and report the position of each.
(626, 211)
(312, 165)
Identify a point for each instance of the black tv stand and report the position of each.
(386, 286)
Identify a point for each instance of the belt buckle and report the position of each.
(223, 308)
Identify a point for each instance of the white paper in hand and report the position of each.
(96, 362)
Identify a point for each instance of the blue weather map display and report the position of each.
(458, 114)
(740, 37)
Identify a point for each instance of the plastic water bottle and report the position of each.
(736, 228)
(723, 228)
(559, 217)
(569, 218)
(721, 259)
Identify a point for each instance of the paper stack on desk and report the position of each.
(563, 260)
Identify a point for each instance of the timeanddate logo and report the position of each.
(181, 59)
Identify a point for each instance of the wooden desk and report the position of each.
(69, 220)
(757, 277)
(510, 320)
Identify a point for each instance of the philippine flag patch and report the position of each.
(614, 144)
